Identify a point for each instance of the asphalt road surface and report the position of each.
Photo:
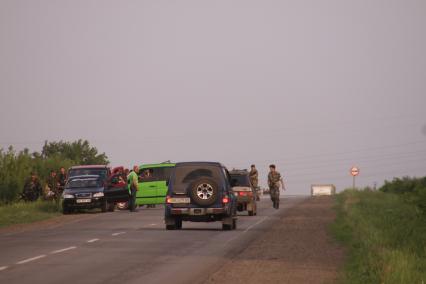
(123, 247)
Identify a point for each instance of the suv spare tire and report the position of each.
(204, 191)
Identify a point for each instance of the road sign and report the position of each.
(354, 171)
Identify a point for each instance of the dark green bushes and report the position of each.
(15, 166)
(412, 190)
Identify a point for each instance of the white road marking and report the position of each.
(31, 259)
(62, 250)
(3, 268)
(246, 230)
(153, 225)
(255, 224)
(93, 240)
(117, 234)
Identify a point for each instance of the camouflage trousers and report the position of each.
(275, 193)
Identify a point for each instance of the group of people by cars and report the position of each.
(52, 189)
(191, 191)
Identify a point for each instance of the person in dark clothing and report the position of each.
(32, 188)
(62, 179)
(53, 186)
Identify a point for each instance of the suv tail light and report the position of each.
(168, 199)
(225, 199)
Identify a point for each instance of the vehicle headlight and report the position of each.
(98, 194)
(68, 196)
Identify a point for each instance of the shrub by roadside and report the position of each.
(15, 167)
(385, 237)
(22, 213)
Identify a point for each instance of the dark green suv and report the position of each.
(200, 192)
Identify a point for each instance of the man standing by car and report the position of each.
(62, 179)
(254, 180)
(274, 181)
(132, 181)
(52, 187)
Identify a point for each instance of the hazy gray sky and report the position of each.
(313, 86)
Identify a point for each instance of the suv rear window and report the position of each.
(155, 174)
(240, 180)
(185, 175)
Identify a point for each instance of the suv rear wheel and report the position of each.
(111, 207)
(178, 224)
(204, 192)
(226, 227)
(170, 227)
(229, 223)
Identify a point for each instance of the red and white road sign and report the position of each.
(354, 171)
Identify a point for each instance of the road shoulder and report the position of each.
(295, 249)
(52, 222)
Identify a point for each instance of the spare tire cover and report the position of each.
(204, 191)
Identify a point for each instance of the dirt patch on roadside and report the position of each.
(296, 249)
(46, 224)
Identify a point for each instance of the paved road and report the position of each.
(128, 248)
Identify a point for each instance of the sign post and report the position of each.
(354, 173)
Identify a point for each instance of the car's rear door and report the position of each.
(162, 175)
(147, 189)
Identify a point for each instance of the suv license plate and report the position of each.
(84, 200)
(180, 200)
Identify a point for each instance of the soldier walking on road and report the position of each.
(254, 180)
(32, 188)
(274, 182)
(132, 180)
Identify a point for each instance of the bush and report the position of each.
(15, 167)
(412, 190)
(385, 237)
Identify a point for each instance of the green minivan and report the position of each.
(152, 187)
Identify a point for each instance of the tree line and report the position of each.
(16, 166)
(412, 190)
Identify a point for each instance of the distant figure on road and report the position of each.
(254, 180)
(32, 188)
(254, 176)
(274, 182)
(132, 180)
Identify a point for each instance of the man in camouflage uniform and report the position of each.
(254, 180)
(53, 187)
(274, 182)
(62, 179)
(32, 188)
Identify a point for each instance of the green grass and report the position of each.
(385, 238)
(21, 213)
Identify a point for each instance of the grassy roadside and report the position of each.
(22, 213)
(385, 238)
